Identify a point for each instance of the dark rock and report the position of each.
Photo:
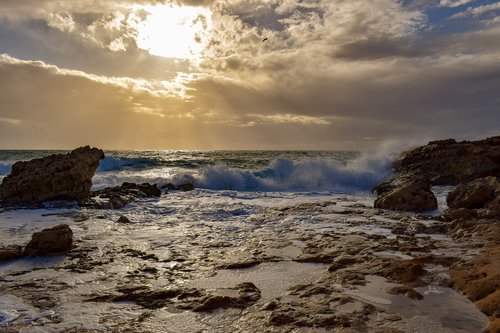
(407, 193)
(55, 177)
(123, 219)
(120, 196)
(475, 194)
(11, 252)
(168, 187)
(185, 187)
(448, 162)
(57, 240)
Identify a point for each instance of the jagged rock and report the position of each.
(11, 252)
(475, 194)
(119, 196)
(448, 162)
(406, 193)
(55, 177)
(130, 190)
(56, 240)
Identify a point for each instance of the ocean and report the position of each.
(266, 171)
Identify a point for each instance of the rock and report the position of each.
(458, 214)
(123, 219)
(168, 187)
(149, 190)
(11, 252)
(406, 193)
(117, 202)
(55, 177)
(197, 300)
(185, 187)
(479, 280)
(57, 240)
(475, 194)
(448, 162)
(120, 196)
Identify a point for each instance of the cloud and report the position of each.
(478, 11)
(329, 75)
(454, 3)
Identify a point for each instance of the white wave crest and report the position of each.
(284, 174)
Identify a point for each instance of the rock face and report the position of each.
(406, 193)
(475, 194)
(445, 162)
(57, 240)
(55, 177)
(448, 162)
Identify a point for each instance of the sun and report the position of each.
(175, 31)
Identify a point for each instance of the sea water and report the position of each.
(265, 171)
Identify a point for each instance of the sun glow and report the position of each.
(175, 32)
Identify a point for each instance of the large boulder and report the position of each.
(448, 162)
(56, 240)
(475, 194)
(55, 177)
(406, 193)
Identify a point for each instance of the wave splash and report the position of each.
(5, 168)
(284, 174)
(111, 163)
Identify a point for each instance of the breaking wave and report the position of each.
(111, 163)
(284, 174)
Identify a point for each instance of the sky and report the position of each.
(246, 74)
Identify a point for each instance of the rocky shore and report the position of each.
(333, 264)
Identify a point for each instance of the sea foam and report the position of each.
(284, 174)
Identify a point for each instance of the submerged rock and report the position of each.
(406, 193)
(56, 240)
(55, 177)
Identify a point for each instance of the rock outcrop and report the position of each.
(56, 240)
(479, 193)
(55, 177)
(119, 196)
(448, 162)
(406, 193)
(445, 162)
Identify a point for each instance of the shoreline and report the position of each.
(347, 240)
